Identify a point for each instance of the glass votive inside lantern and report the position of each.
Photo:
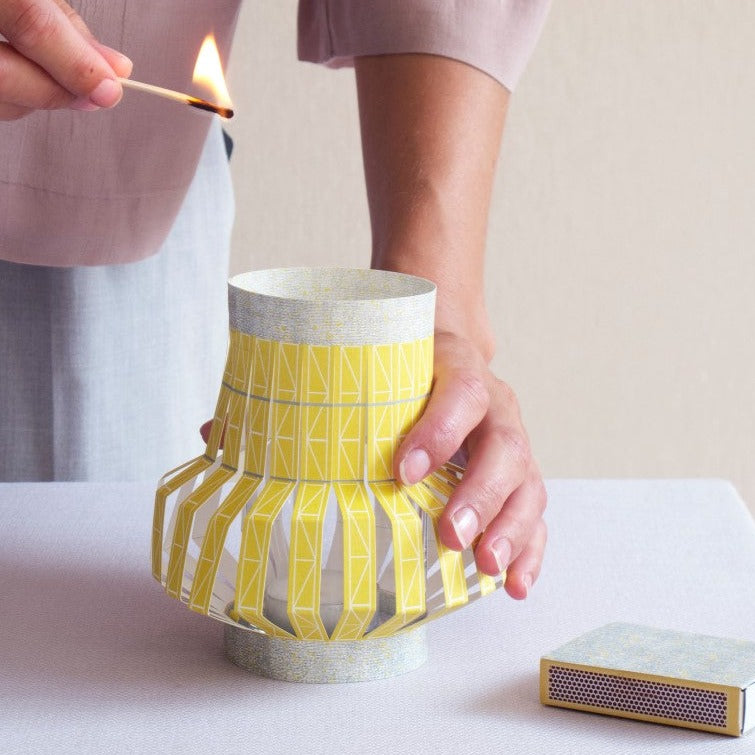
(297, 535)
(331, 601)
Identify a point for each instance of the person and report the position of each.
(115, 229)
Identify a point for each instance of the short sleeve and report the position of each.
(496, 36)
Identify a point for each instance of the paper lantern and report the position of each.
(296, 534)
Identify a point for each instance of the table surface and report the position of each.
(95, 658)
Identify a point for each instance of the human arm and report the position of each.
(51, 60)
(431, 130)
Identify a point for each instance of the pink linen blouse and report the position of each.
(105, 188)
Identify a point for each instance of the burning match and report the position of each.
(171, 94)
(208, 73)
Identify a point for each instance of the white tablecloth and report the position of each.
(94, 658)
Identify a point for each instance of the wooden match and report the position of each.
(170, 94)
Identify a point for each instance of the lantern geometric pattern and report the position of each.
(297, 527)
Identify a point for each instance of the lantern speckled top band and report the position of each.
(296, 534)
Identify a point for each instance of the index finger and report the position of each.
(43, 32)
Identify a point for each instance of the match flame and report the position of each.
(208, 72)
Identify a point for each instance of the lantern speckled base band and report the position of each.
(315, 662)
(296, 534)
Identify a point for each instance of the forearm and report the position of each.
(431, 131)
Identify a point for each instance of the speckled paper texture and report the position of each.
(325, 662)
(328, 306)
(679, 655)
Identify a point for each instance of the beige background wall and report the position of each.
(621, 267)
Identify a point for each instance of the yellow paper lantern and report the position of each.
(296, 534)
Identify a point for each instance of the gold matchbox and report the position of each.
(665, 676)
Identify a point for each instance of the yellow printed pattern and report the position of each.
(184, 523)
(442, 482)
(258, 404)
(348, 427)
(306, 563)
(451, 562)
(317, 396)
(399, 377)
(408, 557)
(214, 543)
(299, 431)
(169, 485)
(253, 557)
(359, 573)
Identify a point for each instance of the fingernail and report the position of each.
(127, 65)
(465, 524)
(106, 94)
(502, 553)
(527, 582)
(414, 466)
(83, 103)
(121, 64)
